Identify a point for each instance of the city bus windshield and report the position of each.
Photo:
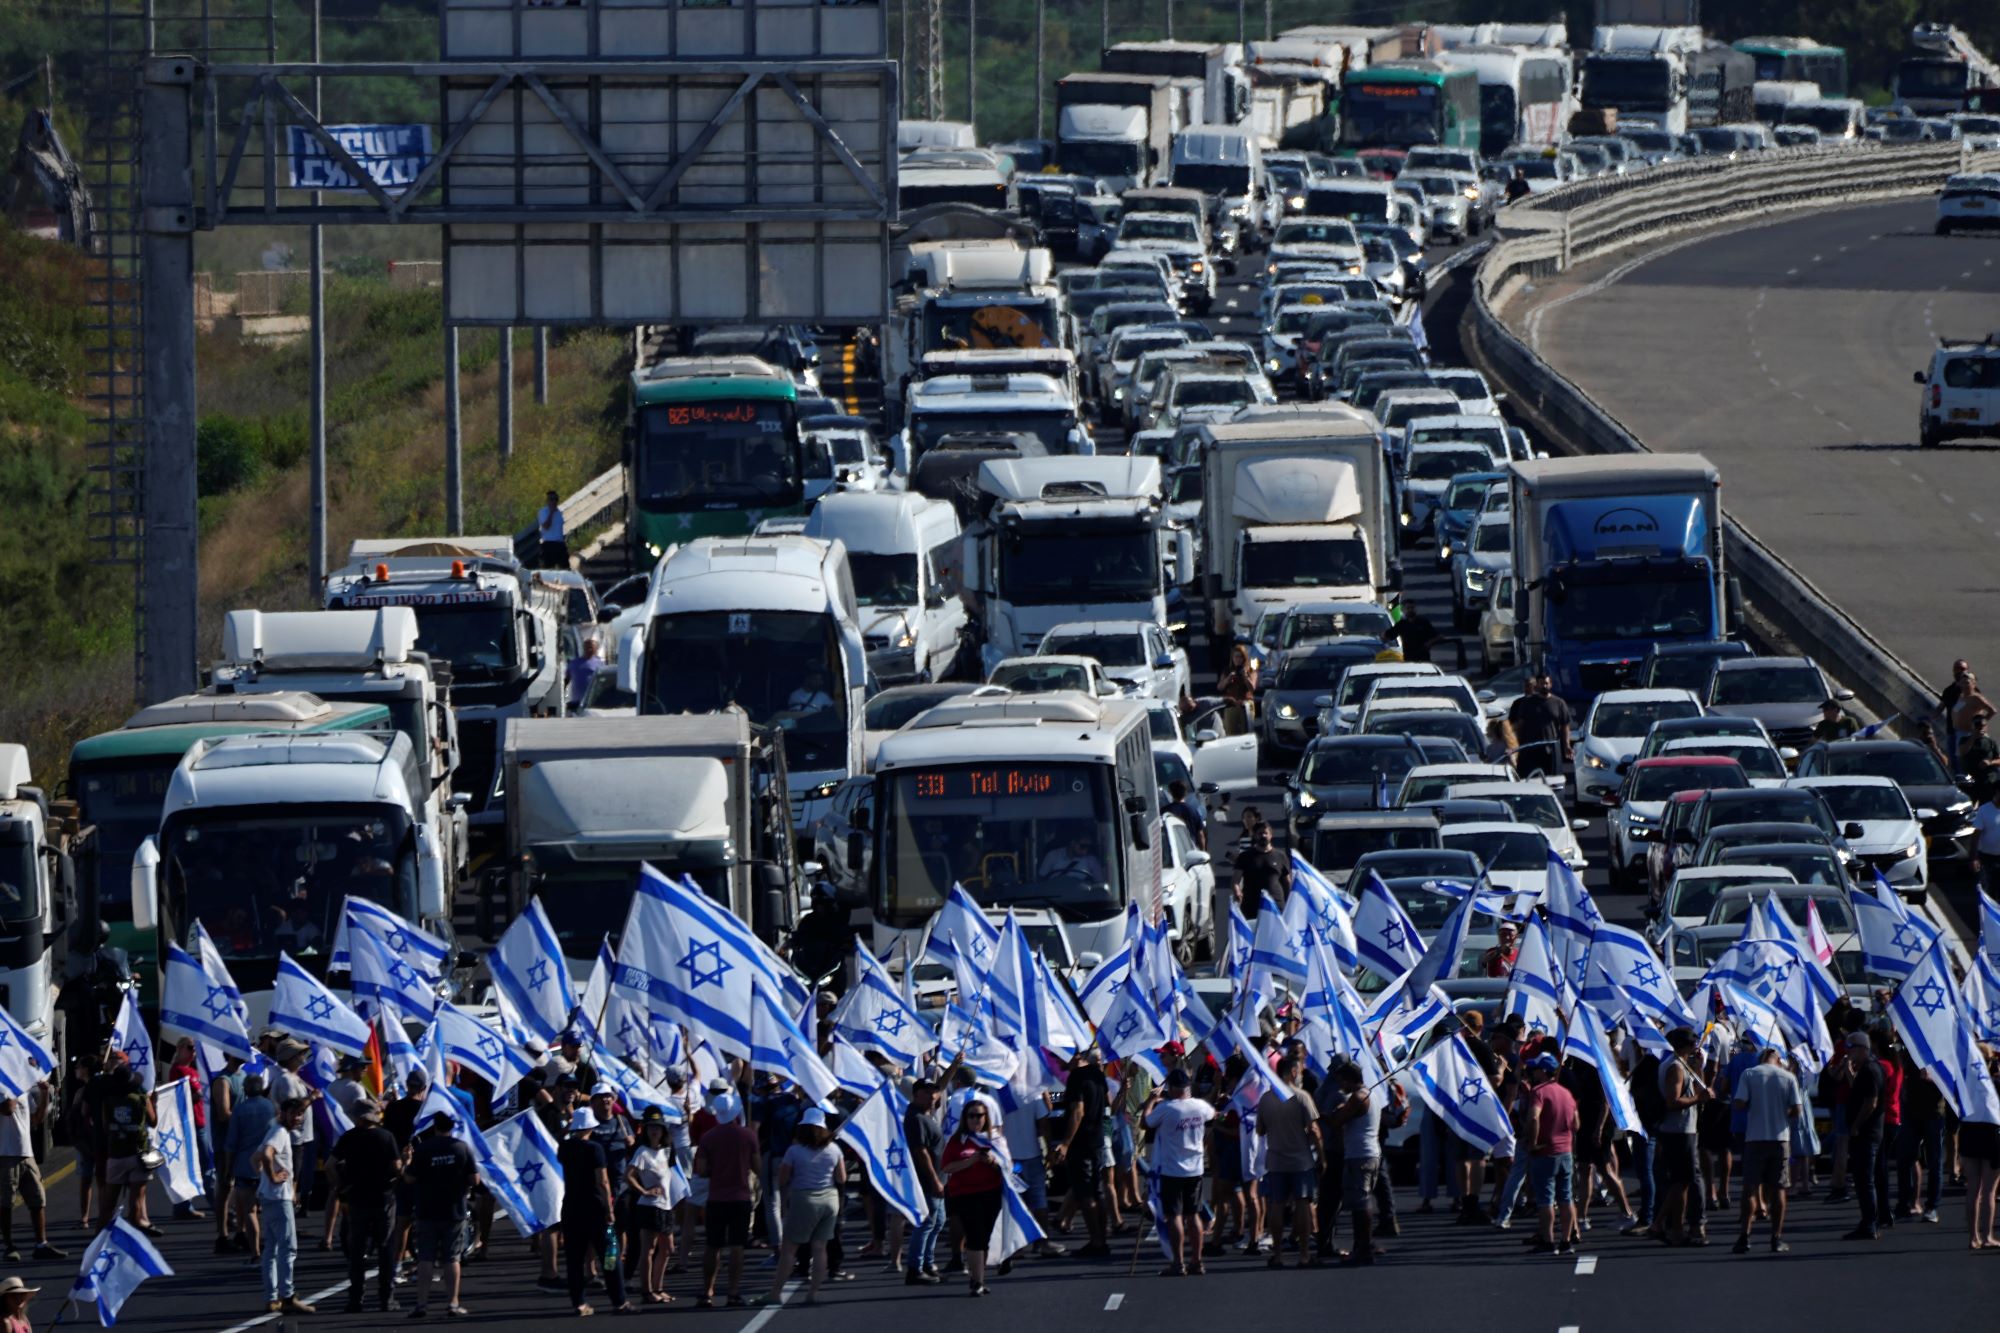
(1015, 835)
(123, 799)
(719, 455)
(1393, 115)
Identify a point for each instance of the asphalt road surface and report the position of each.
(1784, 353)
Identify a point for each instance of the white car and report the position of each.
(1694, 889)
(1612, 732)
(1043, 673)
(1533, 803)
(1476, 567)
(1496, 627)
(1138, 655)
(1187, 890)
(1430, 782)
(1337, 714)
(1515, 856)
(1892, 838)
(1763, 762)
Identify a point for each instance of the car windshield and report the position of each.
(1316, 233)
(883, 580)
(1834, 916)
(1112, 650)
(1311, 626)
(1411, 862)
(1452, 726)
(1680, 671)
(1444, 464)
(1318, 672)
(1034, 677)
(1133, 346)
(1491, 537)
(1502, 849)
(1337, 849)
(1768, 685)
(1158, 229)
(1628, 720)
(1771, 807)
(1911, 767)
(1864, 801)
(1328, 563)
(1758, 759)
(1492, 441)
(1213, 393)
(1531, 807)
(1466, 494)
(1342, 764)
(1694, 896)
(1659, 782)
(1185, 487)
(1427, 908)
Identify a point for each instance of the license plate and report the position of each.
(1965, 414)
(1973, 204)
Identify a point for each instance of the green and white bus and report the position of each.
(712, 449)
(1410, 104)
(1797, 60)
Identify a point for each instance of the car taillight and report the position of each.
(1937, 395)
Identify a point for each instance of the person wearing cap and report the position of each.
(1835, 722)
(440, 1173)
(567, 1058)
(615, 1134)
(1867, 1108)
(586, 1214)
(649, 1175)
(276, 1209)
(367, 1162)
(1551, 1124)
(1681, 1214)
(15, 1294)
(289, 1085)
(129, 1116)
(811, 1173)
(348, 1088)
(725, 1162)
(1498, 961)
(1179, 1124)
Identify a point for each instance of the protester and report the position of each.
(648, 1175)
(1179, 1123)
(441, 1174)
(1289, 1124)
(1769, 1098)
(275, 1203)
(973, 1187)
(812, 1173)
(1867, 1105)
(369, 1163)
(1979, 1151)
(1678, 1160)
(1551, 1139)
(926, 1145)
(19, 1172)
(127, 1118)
(725, 1161)
(1358, 1117)
(586, 1214)
(183, 1066)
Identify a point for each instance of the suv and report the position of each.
(1961, 392)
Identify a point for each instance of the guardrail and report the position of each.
(1548, 233)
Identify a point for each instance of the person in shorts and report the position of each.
(441, 1170)
(726, 1158)
(1086, 1099)
(126, 1133)
(1290, 1126)
(1771, 1103)
(1179, 1124)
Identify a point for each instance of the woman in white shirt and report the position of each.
(650, 1174)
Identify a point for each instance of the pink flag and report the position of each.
(1816, 934)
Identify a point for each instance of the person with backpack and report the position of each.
(1644, 1085)
(127, 1135)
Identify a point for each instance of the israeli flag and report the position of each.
(113, 1267)
(875, 1133)
(1623, 958)
(522, 1153)
(1585, 1041)
(1228, 1039)
(1532, 988)
(1324, 909)
(1617, 1005)
(856, 1075)
(404, 940)
(528, 968)
(872, 1014)
(397, 1049)
(176, 1139)
(778, 1047)
(473, 1044)
(1573, 919)
(1103, 984)
(691, 962)
(1010, 988)
(633, 1088)
(1989, 930)
(642, 1040)
(1440, 960)
(128, 1034)
(384, 981)
(1275, 950)
(24, 1062)
(1980, 998)
(303, 1006)
(1195, 1015)
(1242, 940)
(1893, 937)
(1452, 1084)
(1926, 1012)
(594, 1005)
(1385, 940)
(1768, 922)
(201, 1003)
(1016, 1228)
(1068, 1030)
(1131, 1025)
(1393, 1017)
(960, 925)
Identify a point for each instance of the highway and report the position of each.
(1784, 353)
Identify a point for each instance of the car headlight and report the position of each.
(1475, 578)
(1958, 807)
(824, 790)
(1354, 269)
(1287, 712)
(1636, 819)
(1406, 518)
(1913, 850)
(1471, 194)
(1195, 267)
(1593, 761)
(1444, 550)
(1306, 799)
(1273, 365)
(906, 640)
(1296, 201)
(1118, 394)
(652, 550)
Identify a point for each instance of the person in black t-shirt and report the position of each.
(370, 1162)
(1541, 723)
(441, 1172)
(1086, 1097)
(1261, 870)
(586, 1213)
(1867, 1087)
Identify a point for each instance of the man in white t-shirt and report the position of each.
(19, 1174)
(273, 1161)
(1180, 1131)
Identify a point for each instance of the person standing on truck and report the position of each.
(550, 527)
(1541, 721)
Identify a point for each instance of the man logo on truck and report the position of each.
(1623, 521)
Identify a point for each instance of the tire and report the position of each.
(1462, 620)
(1926, 437)
(1943, 229)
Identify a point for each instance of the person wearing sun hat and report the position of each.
(15, 1294)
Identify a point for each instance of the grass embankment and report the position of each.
(66, 650)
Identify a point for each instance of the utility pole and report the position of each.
(903, 51)
(1041, 12)
(506, 404)
(972, 64)
(1267, 20)
(454, 490)
(1104, 23)
(316, 409)
(1170, 20)
(541, 365)
(1239, 22)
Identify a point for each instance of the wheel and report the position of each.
(1462, 619)
(1926, 437)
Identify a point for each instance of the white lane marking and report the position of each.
(1916, 476)
(1838, 424)
(1586, 1264)
(1895, 461)
(1946, 497)
(313, 1299)
(1815, 259)
(1114, 1300)
(1569, 1328)
(1773, 379)
(1791, 273)
(1975, 518)
(764, 1315)
(1534, 320)
(1796, 394)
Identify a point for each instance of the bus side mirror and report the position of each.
(1142, 831)
(631, 659)
(431, 903)
(146, 886)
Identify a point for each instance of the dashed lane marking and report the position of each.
(1586, 1264)
(1114, 1300)
(764, 1315)
(1975, 518)
(314, 1299)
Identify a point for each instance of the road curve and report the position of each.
(1784, 353)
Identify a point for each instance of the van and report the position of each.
(903, 551)
(1961, 392)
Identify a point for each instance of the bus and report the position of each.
(1407, 103)
(1524, 94)
(1797, 60)
(712, 448)
(119, 781)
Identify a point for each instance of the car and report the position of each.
(1941, 807)
(1288, 715)
(1891, 840)
(1457, 505)
(1122, 354)
(1783, 693)
(1396, 408)
(1462, 429)
(1496, 625)
(1449, 724)
(1684, 665)
(1636, 811)
(1341, 839)
(1716, 808)
(1339, 710)
(1707, 724)
(1426, 473)
(1728, 836)
(1415, 864)
(1187, 890)
(1141, 657)
(1477, 566)
(1042, 674)
(887, 710)
(1216, 763)
(1304, 624)
(1809, 862)
(1430, 781)
(1513, 855)
(1961, 392)
(1693, 890)
(1533, 802)
(1449, 810)
(1764, 764)
(1613, 729)
(1968, 202)
(1347, 773)
(1183, 239)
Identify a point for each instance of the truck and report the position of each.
(1116, 127)
(1722, 84)
(46, 856)
(1216, 66)
(494, 622)
(971, 294)
(1614, 556)
(1225, 163)
(590, 799)
(1295, 505)
(1942, 68)
(1643, 73)
(947, 405)
(1063, 539)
